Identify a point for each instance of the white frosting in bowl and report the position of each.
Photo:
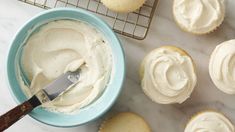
(66, 45)
(209, 122)
(222, 67)
(199, 16)
(168, 76)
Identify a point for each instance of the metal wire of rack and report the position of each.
(135, 25)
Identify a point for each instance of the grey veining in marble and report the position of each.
(164, 31)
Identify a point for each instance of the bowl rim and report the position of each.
(120, 75)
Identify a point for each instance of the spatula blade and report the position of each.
(61, 84)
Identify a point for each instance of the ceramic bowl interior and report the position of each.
(98, 107)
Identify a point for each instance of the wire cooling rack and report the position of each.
(134, 25)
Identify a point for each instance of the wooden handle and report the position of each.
(17, 113)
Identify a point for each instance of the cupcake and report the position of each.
(222, 67)
(209, 121)
(168, 75)
(125, 122)
(123, 5)
(199, 16)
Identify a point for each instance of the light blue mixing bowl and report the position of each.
(97, 108)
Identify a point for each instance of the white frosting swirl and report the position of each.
(168, 76)
(222, 66)
(209, 122)
(199, 16)
(66, 45)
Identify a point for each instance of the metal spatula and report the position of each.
(50, 92)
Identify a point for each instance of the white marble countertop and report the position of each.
(162, 118)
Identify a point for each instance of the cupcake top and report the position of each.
(168, 75)
(199, 16)
(209, 122)
(123, 5)
(222, 66)
(125, 122)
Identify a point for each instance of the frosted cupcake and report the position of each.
(199, 16)
(123, 5)
(168, 75)
(209, 121)
(222, 66)
(125, 122)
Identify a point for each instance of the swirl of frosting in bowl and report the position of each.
(209, 122)
(168, 75)
(199, 16)
(222, 67)
(67, 45)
